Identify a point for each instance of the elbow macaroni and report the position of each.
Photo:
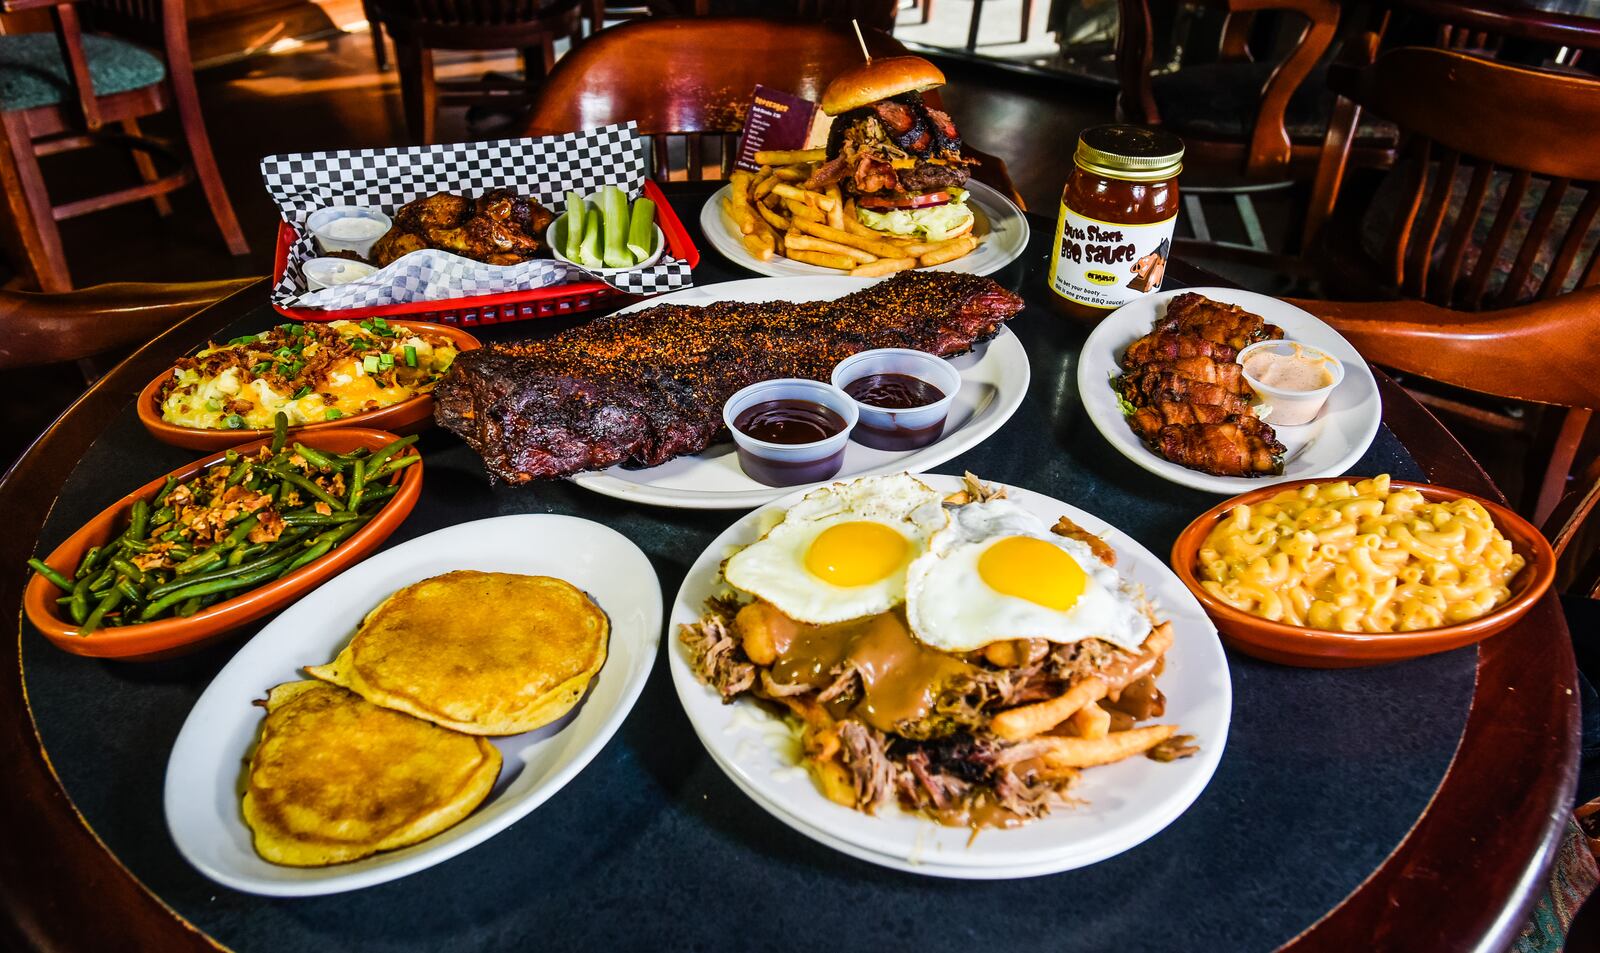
(1359, 558)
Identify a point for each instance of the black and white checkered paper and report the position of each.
(545, 168)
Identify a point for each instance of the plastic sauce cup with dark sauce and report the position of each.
(912, 424)
(807, 425)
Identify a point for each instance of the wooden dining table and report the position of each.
(1414, 806)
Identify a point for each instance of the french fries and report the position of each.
(789, 156)
(1089, 752)
(1025, 721)
(804, 242)
(950, 251)
(1091, 721)
(883, 266)
(776, 214)
(823, 259)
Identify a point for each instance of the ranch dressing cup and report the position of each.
(353, 228)
(1293, 379)
(1114, 233)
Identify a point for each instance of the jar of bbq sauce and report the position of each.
(1114, 233)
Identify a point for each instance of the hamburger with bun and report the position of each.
(897, 158)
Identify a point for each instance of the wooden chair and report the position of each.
(977, 17)
(715, 63)
(75, 89)
(1247, 126)
(418, 27)
(1495, 204)
(38, 329)
(1500, 30)
(1541, 353)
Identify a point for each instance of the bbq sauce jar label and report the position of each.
(1106, 265)
(1114, 233)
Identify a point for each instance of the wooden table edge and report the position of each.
(59, 892)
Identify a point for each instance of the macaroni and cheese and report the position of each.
(1359, 557)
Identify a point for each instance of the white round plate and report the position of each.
(205, 770)
(994, 379)
(1001, 227)
(1125, 803)
(1326, 447)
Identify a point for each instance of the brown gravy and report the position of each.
(900, 677)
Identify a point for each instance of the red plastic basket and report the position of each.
(556, 301)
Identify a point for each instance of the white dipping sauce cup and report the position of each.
(329, 272)
(1293, 407)
(323, 218)
(790, 464)
(887, 428)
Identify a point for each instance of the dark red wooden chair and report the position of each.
(79, 88)
(715, 63)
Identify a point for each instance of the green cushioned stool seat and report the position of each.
(33, 73)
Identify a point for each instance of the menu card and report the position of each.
(776, 120)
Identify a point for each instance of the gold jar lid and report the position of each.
(1121, 151)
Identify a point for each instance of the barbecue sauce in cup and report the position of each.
(1114, 232)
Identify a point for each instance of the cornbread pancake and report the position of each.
(486, 653)
(336, 778)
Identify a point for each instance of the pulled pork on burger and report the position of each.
(898, 158)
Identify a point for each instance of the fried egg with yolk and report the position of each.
(996, 572)
(841, 553)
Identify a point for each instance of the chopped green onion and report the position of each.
(380, 323)
(304, 390)
(385, 361)
(245, 339)
(261, 368)
(411, 356)
(370, 363)
(233, 421)
(286, 353)
(332, 413)
(213, 406)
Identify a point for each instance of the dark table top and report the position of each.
(1324, 774)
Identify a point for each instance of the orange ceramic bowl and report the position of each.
(168, 637)
(408, 416)
(1319, 648)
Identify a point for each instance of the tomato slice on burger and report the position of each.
(925, 200)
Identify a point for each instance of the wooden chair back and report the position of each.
(1270, 151)
(1542, 352)
(1482, 27)
(477, 24)
(37, 329)
(687, 82)
(1467, 118)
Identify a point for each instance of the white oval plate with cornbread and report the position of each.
(1124, 803)
(204, 772)
(1326, 447)
(994, 379)
(1001, 227)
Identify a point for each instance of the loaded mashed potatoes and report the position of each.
(311, 372)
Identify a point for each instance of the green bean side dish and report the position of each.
(240, 523)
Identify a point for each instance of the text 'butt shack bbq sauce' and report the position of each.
(1117, 211)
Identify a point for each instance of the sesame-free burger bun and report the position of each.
(877, 80)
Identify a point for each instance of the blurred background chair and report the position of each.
(74, 89)
(716, 62)
(1494, 204)
(419, 27)
(1249, 123)
(42, 334)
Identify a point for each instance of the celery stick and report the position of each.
(589, 253)
(641, 230)
(575, 223)
(614, 207)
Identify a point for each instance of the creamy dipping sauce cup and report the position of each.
(1284, 373)
(353, 228)
(329, 272)
(790, 464)
(899, 428)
